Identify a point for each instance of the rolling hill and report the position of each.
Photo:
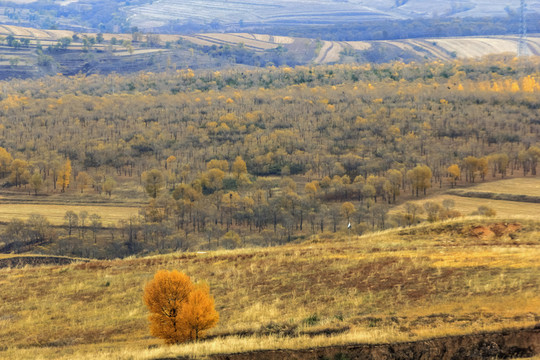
(159, 13)
(406, 284)
(120, 53)
(148, 14)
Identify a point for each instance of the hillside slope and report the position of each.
(118, 53)
(155, 14)
(171, 15)
(401, 285)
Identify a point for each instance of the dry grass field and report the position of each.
(517, 186)
(55, 213)
(467, 205)
(124, 203)
(359, 45)
(405, 284)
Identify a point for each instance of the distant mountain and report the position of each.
(234, 15)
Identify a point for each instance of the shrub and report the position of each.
(284, 329)
(312, 320)
(485, 211)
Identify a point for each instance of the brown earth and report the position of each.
(501, 345)
(494, 230)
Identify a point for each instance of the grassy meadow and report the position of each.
(402, 284)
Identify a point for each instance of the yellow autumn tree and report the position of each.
(83, 179)
(420, 178)
(455, 173)
(170, 160)
(64, 176)
(239, 167)
(5, 161)
(198, 313)
(179, 310)
(19, 172)
(347, 209)
(222, 165)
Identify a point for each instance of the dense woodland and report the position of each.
(259, 157)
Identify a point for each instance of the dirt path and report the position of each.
(327, 45)
(502, 344)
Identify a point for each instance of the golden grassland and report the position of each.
(404, 284)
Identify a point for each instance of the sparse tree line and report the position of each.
(275, 154)
(211, 212)
(15, 43)
(25, 235)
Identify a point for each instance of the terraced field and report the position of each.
(159, 13)
(480, 46)
(251, 41)
(329, 52)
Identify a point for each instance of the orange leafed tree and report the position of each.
(179, 310)
(198, 313)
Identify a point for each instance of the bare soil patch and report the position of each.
(501, 345)
(494, 230)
